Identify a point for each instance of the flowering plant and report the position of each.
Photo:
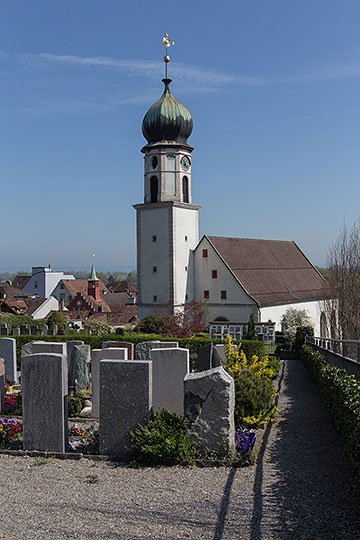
(13, 403)
(244, 440)
(76, 431)
(9, 429)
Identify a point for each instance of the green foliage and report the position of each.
(164, 439)
(301, 333)
(252, 348)
(254, 396)
(151, 324)
(119, 331)
(99, 328)
(75, 405)
(56, 319)
(292, 319)
(250, 334)
(341, 393)
(13, 321)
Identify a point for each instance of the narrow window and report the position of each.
(185, 186)
(186, 296)
(154, 162)
(214, 274)
(154, 269)
(205, 253)
(35, 284)
(154, 298)
(223, 295)
(154, 189)
(154, 238)
(206, 294)
(186, 268)
(185, 238)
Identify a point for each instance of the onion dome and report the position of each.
(167, 121)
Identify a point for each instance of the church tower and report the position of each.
(167, 221)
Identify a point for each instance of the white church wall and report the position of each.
(237, 306)
(186, 237)
(274, 313)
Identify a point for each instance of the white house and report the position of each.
(43, 281)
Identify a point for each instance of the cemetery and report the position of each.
(69, 399)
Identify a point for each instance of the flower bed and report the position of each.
(9, 430)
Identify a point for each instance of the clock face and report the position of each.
(185, 163)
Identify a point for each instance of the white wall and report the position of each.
(185, 224)
(274, 313)
(46, 281)
(50, 304)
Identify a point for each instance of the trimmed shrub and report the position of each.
(301, 333)
(164, 439)
(341, 393)
(254, 395)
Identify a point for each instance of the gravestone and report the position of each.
(4, 331)
(16, 331)
(45, 330)
(48, 347)
(69, 348)
(79, 366)
(24, 330)
(26, 349)
(207, 358)
(220, 349)
(61, 332)
(97, 355)
(2, 386)
(209, 401)
(169, 369)
(122, 345)
(43, 378)
(8, 353)
(33, 330)
(125, 402)
(143, 350)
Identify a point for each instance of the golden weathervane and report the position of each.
(167, 42)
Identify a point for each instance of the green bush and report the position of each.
(254, 395)
(341, 393)
(164, 439)
(301, 333)
(75, 405)
(252, 348)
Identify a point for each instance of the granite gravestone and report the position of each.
(4, 331)
(169, 369)
(122, 345)
(207, 358)
(8, 353)
(44, 388)
(143, 350)
(209, 401)
(97, 355)
(79, 366)
(69, 348)
(125, 402)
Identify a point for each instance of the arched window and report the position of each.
(221, 319)
(185, 189)
(154, 189)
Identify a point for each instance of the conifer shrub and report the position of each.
(254, 397)
(164, 439)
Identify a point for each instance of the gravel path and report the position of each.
(302, 487)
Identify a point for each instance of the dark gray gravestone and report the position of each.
(24, 330)
(79, 366)
(4, 331)
(8, 353)
(97, 356)
(61, 332)
(44, 388)
(69, 348)
(205, 358)
(2, 386)
(122, 345)
(143, 349)
(33, 330)
(209, 401)
(125, 402)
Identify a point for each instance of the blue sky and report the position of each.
(273, 88)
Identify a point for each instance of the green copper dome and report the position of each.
(167, 120)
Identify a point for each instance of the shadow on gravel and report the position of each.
(314, 493)
(219, 530)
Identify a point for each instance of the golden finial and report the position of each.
(167, 42)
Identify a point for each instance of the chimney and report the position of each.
(62, 304)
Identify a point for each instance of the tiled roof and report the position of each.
(271, 271)
(117, 299)
(11, 291)
(121, 286)
(123, 315)
(20, 281)
(80, 285)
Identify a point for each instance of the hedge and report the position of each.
(341, 393)
(193, 344)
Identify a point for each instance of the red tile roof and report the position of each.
(271, 271)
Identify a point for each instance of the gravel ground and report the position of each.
(302, 487)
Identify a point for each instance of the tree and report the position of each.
(250, 333)
(292, 319)
(341, 307)
(99, 328)
(56, 319)
(187, 321)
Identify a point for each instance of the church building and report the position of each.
(237, 277)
